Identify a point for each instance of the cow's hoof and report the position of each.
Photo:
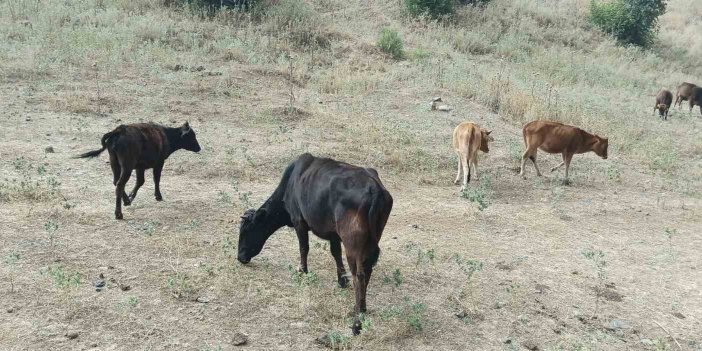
(343, 281)
(301, 270)
(127, 202)
(356, 327)
(159, 197)
(118, 215)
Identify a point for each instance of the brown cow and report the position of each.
(684, 92)
(468, 138)
(663, 101)
(554, 137)
(696, 98)
(141, 146)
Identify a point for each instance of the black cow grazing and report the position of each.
(663, 101)
(339, 202)
(142, 146)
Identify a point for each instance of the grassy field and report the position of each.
(610, 262)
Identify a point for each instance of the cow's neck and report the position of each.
(277, 216)
(173, 135)
(589, 142)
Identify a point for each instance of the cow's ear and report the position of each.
(185, 129)
(488, 132)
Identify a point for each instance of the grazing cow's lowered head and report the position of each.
(600, 146)
(485, 138)
(188, 141)
(255, 228)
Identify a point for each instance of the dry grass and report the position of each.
(512, 62)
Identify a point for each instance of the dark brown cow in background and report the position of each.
(684, 92)
(696, 98)
(555, 137)
(663, 101)
(339, 202)
(141, 146)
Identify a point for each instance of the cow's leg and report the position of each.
(475, 165)
(566, 159)
(561, 164)
(119, 190)
(359, 287)
(116, 169)
(139, 183)
(466, 172)
(335, 248)
(458, 172)
(157, 181)
(303, 239)
(533, 160)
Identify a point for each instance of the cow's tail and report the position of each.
(378, 213)
(103, 141)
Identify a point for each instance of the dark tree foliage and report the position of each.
(630, 21)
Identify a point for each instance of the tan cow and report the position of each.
(468, 138)
(554, 137)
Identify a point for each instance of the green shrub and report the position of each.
(629, 21)
(433, 8)
(210, 7)
(389, 42)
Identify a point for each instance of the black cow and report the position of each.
(339, 202)
(142, 146)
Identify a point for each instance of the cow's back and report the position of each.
(145, 142)
(466, 138)
(685, 89)
(664, 97)
(319, 188)
(552, 137)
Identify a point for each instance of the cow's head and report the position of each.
(600, 147)
(485, 138)
(661, 108)
(253, 233)
(188, 139)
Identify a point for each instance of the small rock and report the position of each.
(11, 310)
(199, 68)
(27, 119)
(94, 345)
(49, 150)
(617, 324)
(498, 305)
(574, 272)
(542, 288)
(124, 287)
(72, 335)
(507, 341)
(177, 68)
(679, 315)
(203, 299)
(239, 339)
(101, 276)
(647, 342)
(415, 226)
(530, 345)
(99, 284)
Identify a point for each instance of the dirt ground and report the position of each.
(172, 282)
